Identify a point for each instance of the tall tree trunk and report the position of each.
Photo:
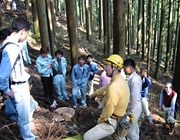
(149, 35)
(50, 27)
(72, 29)
(81, 12)
(105, 25)
(126, 26)
(84, 12)
(156, 29)
(119, 28)
(129, 25)
(0, 17)
(91, 15)
(88, 20)
(139, 40)
(143, 31)
(27, 10)
(160, 43)
(133, 26)
(169, 38)
(108, 27)
(177, 70)
(35, 19)
(43, 24)
(53, 14)
(176, 37)
(101, 20)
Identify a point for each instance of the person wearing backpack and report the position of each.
(12, 66)
(167, 103)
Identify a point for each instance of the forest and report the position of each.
(147, 31)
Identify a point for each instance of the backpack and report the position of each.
(2, 48)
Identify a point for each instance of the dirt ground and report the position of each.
(47, 125)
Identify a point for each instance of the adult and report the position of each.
(146, 82)
(167, 103)
(93, 70)
(116, 98)
(44, 65)
(12, 66)
(135, 106)
(80, 75)
(59, 82)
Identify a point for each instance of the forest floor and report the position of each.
(47, 124)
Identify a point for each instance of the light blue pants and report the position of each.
(59, 83)
(83, 95)
(11, 112)
(22, 105)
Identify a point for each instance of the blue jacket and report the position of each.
(93, 68)
(24, 51)
(63, 65)
(145, 86)
(42, 65)
(79, 77)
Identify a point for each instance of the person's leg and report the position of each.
(146, 110)
(74, 96)
(133, 133)
(44, 81)
(91, 87)
(22, 103)
(63, 86)
(83, 95)
(50, 88)
(101, 130)
(33, 104)
(56, 82)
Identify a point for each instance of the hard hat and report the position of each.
(115, 60)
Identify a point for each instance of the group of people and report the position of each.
(124, 96)
(125, 101)
(53, 72)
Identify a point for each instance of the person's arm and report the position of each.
(9, 57)
(39, 67)
(135, 87)
(146, 83)
(161, 100)
(74, 81)
(96, 70)
(173, 102)
(101, 91)
(109, 104)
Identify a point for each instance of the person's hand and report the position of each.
(37, 108)
(172, 115)
(160, 108)
(11, 94)
(91, 73)
(50, 65)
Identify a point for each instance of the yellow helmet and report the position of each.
(115, 60)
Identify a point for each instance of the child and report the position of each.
(146, 82)
(44, 65)
(80, 75)
(59, 82)
(93, 70)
